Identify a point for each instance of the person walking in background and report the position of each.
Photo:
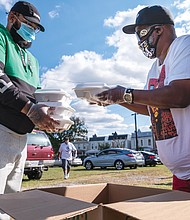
(67, 152)
(166, 97)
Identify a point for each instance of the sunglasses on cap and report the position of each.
(145, 31)
(28, 23)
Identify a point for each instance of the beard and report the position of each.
(18, 39)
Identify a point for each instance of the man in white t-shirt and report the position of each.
(166, 97)
(67, 152)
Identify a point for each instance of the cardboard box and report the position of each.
(104, 193)
(39, 205)
(97, 202)
(173, 205)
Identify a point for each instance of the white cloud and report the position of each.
(182, 4)
(7, 4)
(100, 120)
(182, 18)
(55, 13)
(123, 17)
(126, 67)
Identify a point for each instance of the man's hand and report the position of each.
(38, 114)
(111, 96)
(59, 156)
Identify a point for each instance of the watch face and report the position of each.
(128, 98)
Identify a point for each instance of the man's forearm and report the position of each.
(138, 108)
(174, 95)
(58, 155)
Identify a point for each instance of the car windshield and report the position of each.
(38, 138)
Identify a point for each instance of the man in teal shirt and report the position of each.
(19, 78)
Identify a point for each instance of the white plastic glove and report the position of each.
(38, 114)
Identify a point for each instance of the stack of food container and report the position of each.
(59, 101)
(88, 91)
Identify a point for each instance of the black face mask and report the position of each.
(148, 49)
(18, 39)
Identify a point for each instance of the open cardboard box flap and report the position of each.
(41, 205)
(104, 193)
(88, 193)
(172, 205)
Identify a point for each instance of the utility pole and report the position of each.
(153, 141)
(136, 137)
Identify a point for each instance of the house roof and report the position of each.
(115, 136)
(142, 134)
(80, 142)
(120, 136)
(95, 138)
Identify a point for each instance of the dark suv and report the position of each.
(150, 158)
(39, 154)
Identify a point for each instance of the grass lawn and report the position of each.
(157, 177)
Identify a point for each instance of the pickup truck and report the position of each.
(39, 154)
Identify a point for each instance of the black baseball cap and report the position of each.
(29, 12)
(148, 16)
(66, 138)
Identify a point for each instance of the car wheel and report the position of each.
(152, 165)
(119, 165)
(133, 167)
(88, 165)
(35, 175)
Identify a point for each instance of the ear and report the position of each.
(11, 17)
(10, 20)
(159, 30)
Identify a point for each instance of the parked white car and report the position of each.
(139, 157)
(75, 162)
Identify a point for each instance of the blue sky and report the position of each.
(83, 42)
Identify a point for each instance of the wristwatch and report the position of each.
(128, 96)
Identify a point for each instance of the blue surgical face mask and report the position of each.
(26, 32)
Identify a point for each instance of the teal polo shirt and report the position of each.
(21, 71)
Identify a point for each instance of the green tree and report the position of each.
(78, 131)
(103, 146)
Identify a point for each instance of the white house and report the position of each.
(145, 141)
(114, 140)
(119, 140)
(96, 143)
(82, 146)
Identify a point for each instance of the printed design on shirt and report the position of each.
(67, 149)
(162, 120)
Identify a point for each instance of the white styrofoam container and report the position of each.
(65, 123)
(55, 104)
(51, 95)
(62, 111)
(89, 90)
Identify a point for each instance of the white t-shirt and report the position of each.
(171, 127)
(66, 150)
